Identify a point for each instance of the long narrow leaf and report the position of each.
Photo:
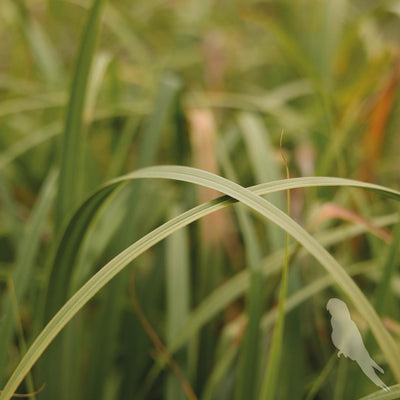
(23, 270)
(249, 354)
(69, 193)
(99, 280)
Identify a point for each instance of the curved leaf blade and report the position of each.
(246, 196)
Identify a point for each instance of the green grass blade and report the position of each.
(30, 243)
(58, 289)
(270, 381)
(246, 383)
(169, 87)
(67, 252)
(256, 138)
(122, 29)
(219, 371)
(150, 141)
(333, 20)
(390, 261)
(23, 270)
(10, 207)
(40, 44)
(122, 148)
(385, 341)
(236, 287)
(178, 300)
(69, 193)
(222, 297)
(105, 342)
(65, 262)
(120, 25)
(320, 380)
(381, 395)
(73, 235)
(17, 106)
(27, 143)
(247, 380)
(99, 280)
(98, 70)
(14, 306)
(224, 368)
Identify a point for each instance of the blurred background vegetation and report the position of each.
(90, 91)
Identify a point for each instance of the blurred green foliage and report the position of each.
(90, 91)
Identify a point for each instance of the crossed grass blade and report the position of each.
(234, 192)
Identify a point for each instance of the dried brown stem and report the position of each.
(159, 345)
(25, 395)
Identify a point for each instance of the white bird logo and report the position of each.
(347, 339)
